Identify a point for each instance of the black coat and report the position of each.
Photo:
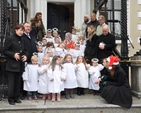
(91, 48)
(94, 23)
(30, 44)
(34, 32)
(109, 41)
(117, 90)
(14, 44)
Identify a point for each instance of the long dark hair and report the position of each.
(53, 63)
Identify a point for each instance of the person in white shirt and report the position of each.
(49, 36)
(94, 72)
(40, 54)
(82, 42)
(56, 75)
(75, 52)
(60, 50)
(81, 74)
(43, 78)
(101, 20)
(44, 41)
(71, 81)
(56, 41)
(30, 78)
(84, 25)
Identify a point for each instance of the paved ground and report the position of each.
(86, 101)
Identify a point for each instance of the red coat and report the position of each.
(71, 45)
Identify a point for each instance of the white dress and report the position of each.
(94, 74)
(71, 81)
(74, 53)
(82, 48)
(82, 75)
(43, 80)
(55, 86)
(60, 51)
(40, 57)
(75, 37)
(50, 39)
(31, 77)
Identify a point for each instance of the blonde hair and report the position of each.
(81, 37)
(34, 58)
(46, 57)
(93, 31)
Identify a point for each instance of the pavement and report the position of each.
(85, 101)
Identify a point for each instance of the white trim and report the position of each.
(115, 63)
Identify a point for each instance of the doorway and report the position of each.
(61, 16)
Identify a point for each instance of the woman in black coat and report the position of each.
(16, 56)
(115, 88)
(35, 23)
(91, 44)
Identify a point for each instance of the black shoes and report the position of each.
(11, 102)
(18, 101)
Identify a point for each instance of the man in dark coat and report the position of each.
(29, 41)
(106, 44)
(30, 44)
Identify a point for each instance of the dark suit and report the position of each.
(14, 44)
(109, 41)
(30, 44)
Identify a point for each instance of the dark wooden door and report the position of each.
(58, 17)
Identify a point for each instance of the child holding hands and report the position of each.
(43, 78)
(81, 74)
(30, 78)
(94, 72)
(56, 75)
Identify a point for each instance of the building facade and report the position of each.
(77, 10)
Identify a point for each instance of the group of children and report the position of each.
(55, 69)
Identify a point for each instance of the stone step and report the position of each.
(80, 104)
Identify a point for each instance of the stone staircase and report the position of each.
(80, 104)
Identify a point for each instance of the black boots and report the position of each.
(69, 93)
(80, 91)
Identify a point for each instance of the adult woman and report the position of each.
(35, 24)
(115, 87)
(16, 56)
(68, 41)
(91, 44)
(41, 32)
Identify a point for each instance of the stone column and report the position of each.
(44, 12)
(31, 9)
(81, 7)
(77, 13)
(37, 6)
